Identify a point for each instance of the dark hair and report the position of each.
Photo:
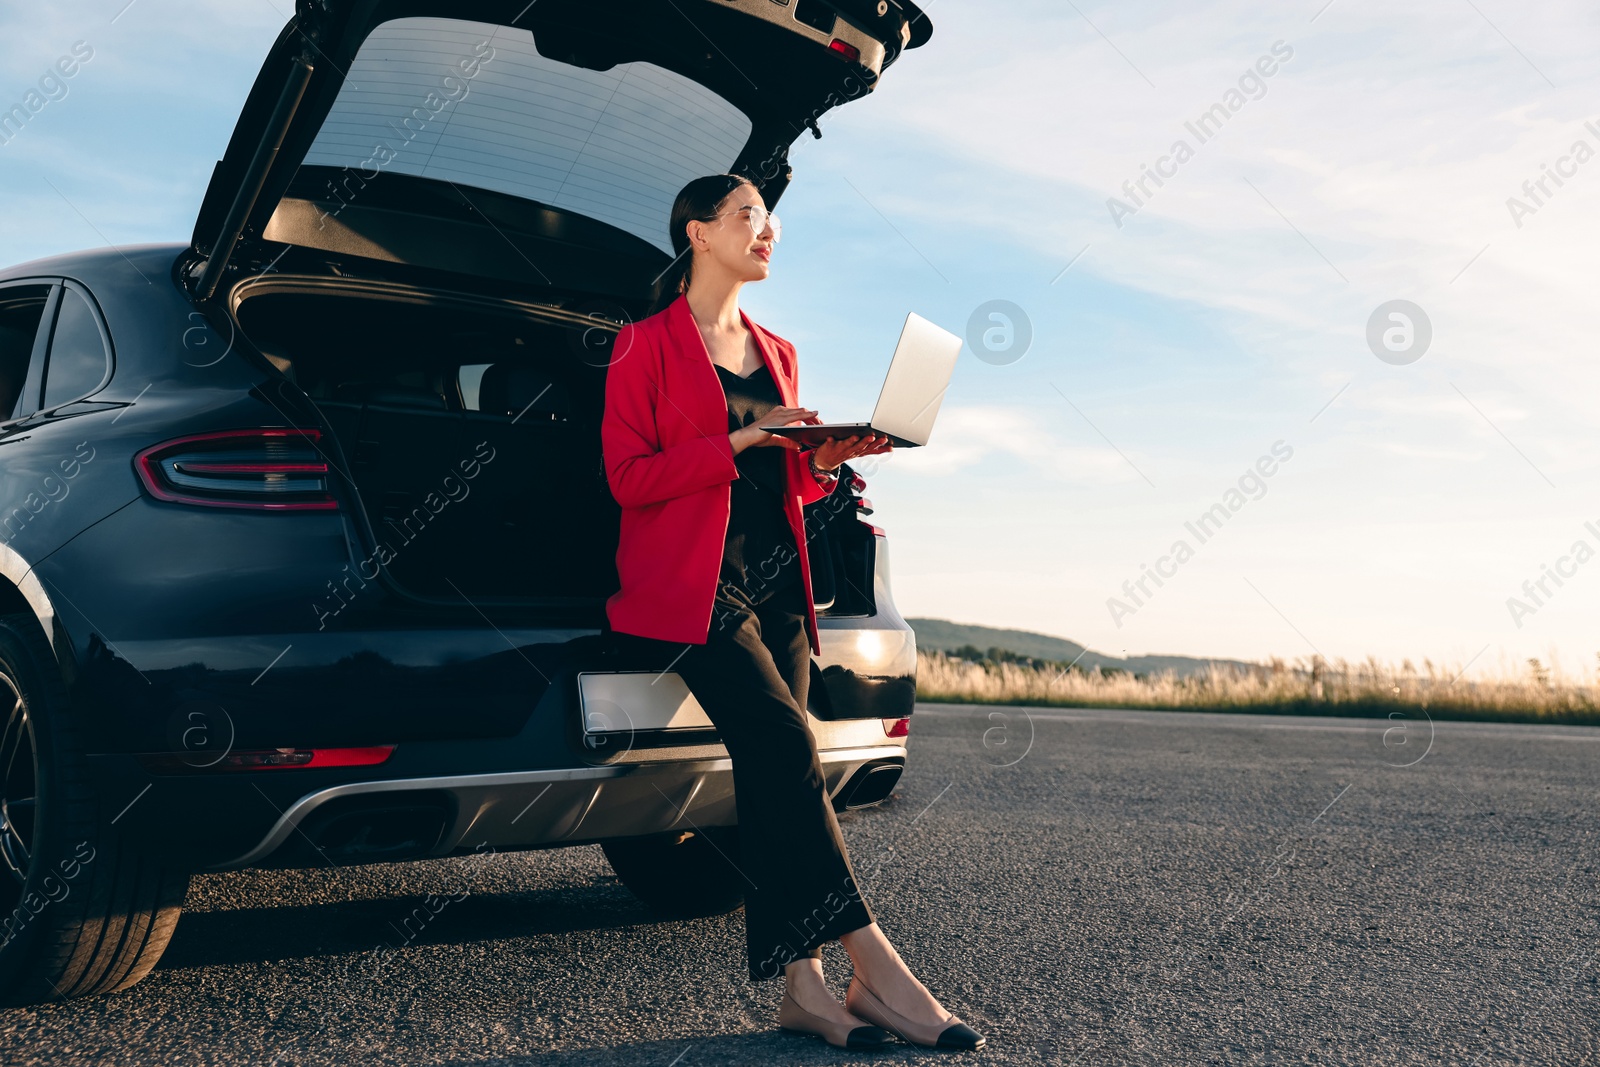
(698, 200)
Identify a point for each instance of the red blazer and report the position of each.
(670, 465)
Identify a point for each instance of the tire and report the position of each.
(681, 874)
(82, 912)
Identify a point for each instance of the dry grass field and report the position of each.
(1370, 689)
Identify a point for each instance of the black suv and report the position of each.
(306, 533)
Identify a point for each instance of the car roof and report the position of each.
(93, 265)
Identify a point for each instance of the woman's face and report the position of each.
(730, 243)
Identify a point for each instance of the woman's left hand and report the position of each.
(836, 450)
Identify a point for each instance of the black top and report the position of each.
(759, 554)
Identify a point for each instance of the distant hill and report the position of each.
(947, 636)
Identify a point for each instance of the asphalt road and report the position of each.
(1085, 887)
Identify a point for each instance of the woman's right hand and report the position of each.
(754, 436)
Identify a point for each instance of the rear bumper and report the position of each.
(190, 634)
(232, 820)
(527, 809)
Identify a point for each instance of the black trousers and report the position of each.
(752, 677)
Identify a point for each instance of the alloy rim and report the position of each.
(19, 790)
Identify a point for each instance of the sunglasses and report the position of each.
(758, 217)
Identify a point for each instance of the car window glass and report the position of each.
(470, 377)
(77, 352)
(478, 106)
(21, 309)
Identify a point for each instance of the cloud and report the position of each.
(1001, 441)
(1383, 151)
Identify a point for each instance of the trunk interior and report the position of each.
(471, 432)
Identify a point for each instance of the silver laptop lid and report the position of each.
(918, 376)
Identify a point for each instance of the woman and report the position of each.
(715, 579)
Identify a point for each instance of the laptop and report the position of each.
(918, 376)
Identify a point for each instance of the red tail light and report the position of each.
(267, 758)
(267, 469)
(849, 51)
(897, 727)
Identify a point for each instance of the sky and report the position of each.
(1218, 340)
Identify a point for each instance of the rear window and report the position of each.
(475, 104)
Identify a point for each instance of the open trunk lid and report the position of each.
(536, 143)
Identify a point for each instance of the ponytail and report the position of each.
(674, 281)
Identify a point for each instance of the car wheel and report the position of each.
(81, 911)
(682, 874)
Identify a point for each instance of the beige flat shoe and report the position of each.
(951, 1033)
(792, 1017)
